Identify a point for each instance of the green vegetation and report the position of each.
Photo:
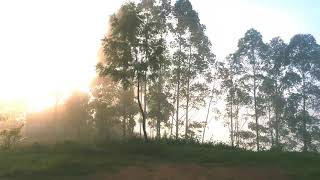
(72, 160)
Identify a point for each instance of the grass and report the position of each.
(75, 160)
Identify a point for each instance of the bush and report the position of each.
(10, 137)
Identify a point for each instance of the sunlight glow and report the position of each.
(49, 47)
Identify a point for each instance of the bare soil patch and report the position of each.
(194, 172)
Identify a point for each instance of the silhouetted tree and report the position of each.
(251, 54)
(304, 56)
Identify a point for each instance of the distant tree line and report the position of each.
(160, 50)
(279, 84)
(158, 69)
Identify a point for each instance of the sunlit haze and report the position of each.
(50, 48)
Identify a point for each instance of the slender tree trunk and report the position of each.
(237, 126)
(276, 114)
(276, 128)
(270, 128)
(304, 121)
(145, 96)
(177, 110)
(142, 113)
(256, 115)
(255, 102)
(141, 124)
(159, 103)
(231, 121)
(172, 116)
(178, 92)
(188, 94)
(207, 117)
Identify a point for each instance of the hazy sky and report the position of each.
(52, 45)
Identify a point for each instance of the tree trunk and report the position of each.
(276, 114)
(188, 95)
(237, 126)
(159, 103)
(270, 127)
(178, 92)
(177, 110)
(142, 113)
(141, 124)
(231, 121)
(255, 102)
(276, 128)
(208, 111)
(256, 115)
(145, 96)
(304, 121)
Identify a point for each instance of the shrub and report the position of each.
(10, 137)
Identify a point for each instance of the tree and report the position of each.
(304, 55)
(132, 50)
(275, 83)
(193, 58)
(155, 46)
(237, 94)
(251, 54)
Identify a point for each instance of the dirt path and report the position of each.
(193, 172)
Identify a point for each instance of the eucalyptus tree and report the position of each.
(237, 95)
(276, 81)
(193, 58)
(155, 46)
(303, 106)
(125, 60)
(178, 28)
(251, 54)
(135, 47)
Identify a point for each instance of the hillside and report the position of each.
(155, 160)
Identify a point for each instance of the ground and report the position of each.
(153, 161)
(194, 172)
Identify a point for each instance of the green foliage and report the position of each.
(71, 160)
(304, 54)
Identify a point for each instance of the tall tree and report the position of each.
(237, 94)
(251, 53)
(134, 48)
(304, 55)
(275, 82)
(124, 55)
(193, 57)
(155, 44)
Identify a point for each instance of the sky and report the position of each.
(50, 47)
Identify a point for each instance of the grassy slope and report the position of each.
(67, 160)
